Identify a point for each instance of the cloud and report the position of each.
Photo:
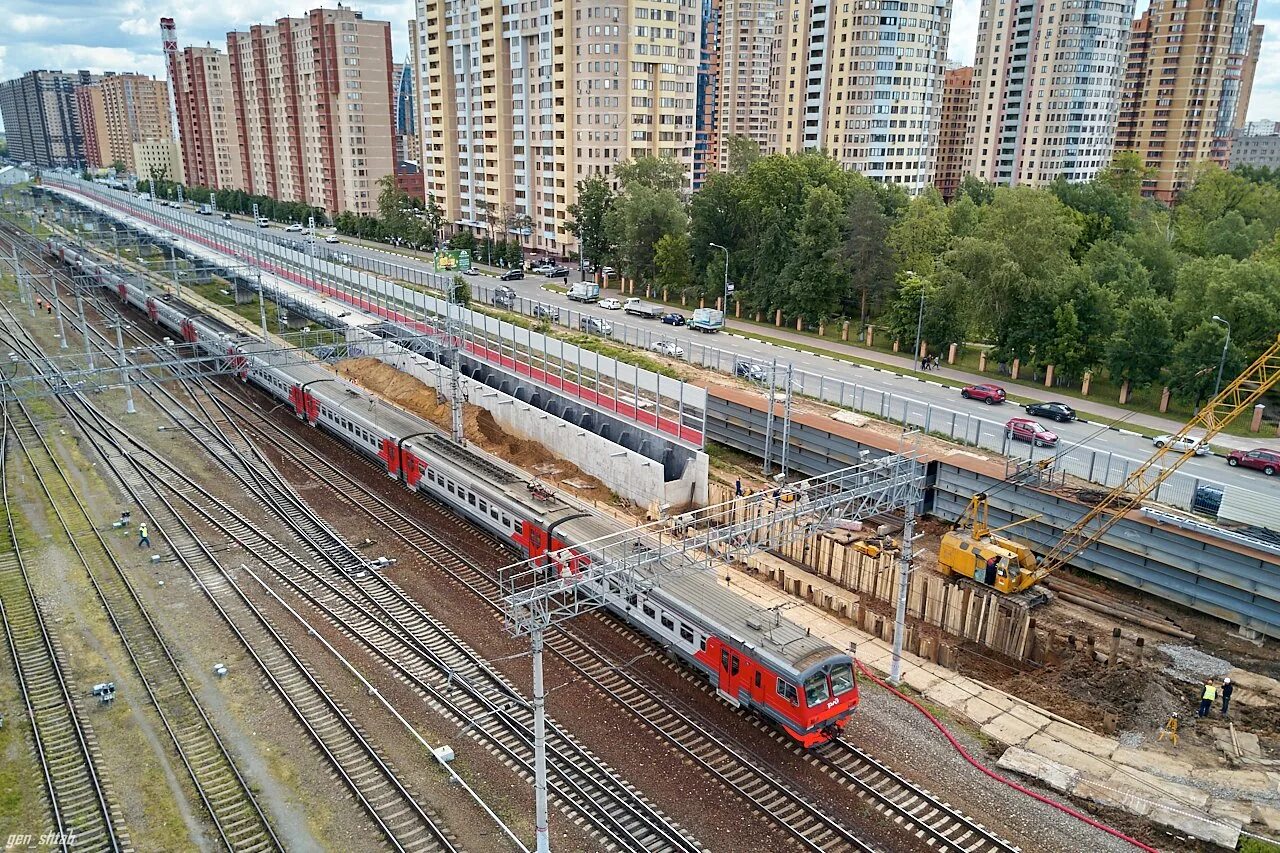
(964, 31)
(139, 27)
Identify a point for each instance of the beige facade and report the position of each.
(206, 118)
(162, 156)
(1187, 67)
(864, 84)
(120, 111)
(521, 100)
(955, 129)
(313, 104)
(1046, 91)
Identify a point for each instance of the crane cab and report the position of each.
(1003, 564)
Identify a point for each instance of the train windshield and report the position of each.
(816, 689)
(841, 679)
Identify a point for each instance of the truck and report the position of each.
(204, 209)
(643, 309)
(584, 291)
(707, 320)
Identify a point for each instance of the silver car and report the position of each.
(668, 348)
(1182, 445)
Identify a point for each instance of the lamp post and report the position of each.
(725, 306)
(915, 355)
(1223, 360)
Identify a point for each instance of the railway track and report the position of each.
(83, 812)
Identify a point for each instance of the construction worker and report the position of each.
(1227, 687)
(144, 541)
(1206, 698)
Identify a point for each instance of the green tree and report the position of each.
(460, 292)
(1193, 368)
(922, 233)
(979, 191)
(589, 212)
(1125, 174)
(1140, 348)
(814, 276)
(1068, 350)
(1230, 235)
(672, 258)
(867, 252)
(742, 152)
(656, 173)
(118, 166)
(639, 218)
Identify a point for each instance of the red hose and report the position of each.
(996, 776)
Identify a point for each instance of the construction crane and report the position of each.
(976, 550)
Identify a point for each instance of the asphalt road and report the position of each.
(1114, 448)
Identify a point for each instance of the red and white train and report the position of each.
(754, 657)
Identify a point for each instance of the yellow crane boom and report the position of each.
(1239, 396)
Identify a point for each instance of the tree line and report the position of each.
(1085, 277)
(234, 201)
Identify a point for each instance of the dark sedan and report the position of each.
(1059, 412)
(673, 319)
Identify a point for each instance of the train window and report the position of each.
(506, 521)
(757, 678)
(702, 643)
(841, 679)
(733, 670)
(668, 623)
(493, 513)
(787, 691)
(648, 611)
(451, 487)
(724, 660)
(816, 689)
(471, 499)
(484, 506)
(686, 634)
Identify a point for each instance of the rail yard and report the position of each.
(310, 646)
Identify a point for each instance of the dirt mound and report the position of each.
(478, 426)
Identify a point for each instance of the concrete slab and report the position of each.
(1249, 745)
(1010, 730)
(1089, 788)
(1252, 698)
(1159, 789)
(1055, 775)
(986, 705)
(947, 694)
(1028, 714)
(1083, 740)
(1153, 762)
(1243, 679)
(918, 678)
(1066, 754)
(1268, 816)
(1205, 827)
(1242, 781)
(1232, 811)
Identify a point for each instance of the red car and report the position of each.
(1266, 461)
(1025, 429)
(989, 394)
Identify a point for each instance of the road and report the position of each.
(1087, 449)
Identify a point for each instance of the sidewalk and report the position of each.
(1150, 780)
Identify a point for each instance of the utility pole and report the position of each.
(173, 268)
(542, 836)
(768, 418)
(262, 304)
(786, 420)
(120, 360)
(452, 331)
(905, 558)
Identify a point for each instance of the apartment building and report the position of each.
(205, 104)
(1047, 83)
(863, 80)
(41, 117)
(1187, 76)
(955, 128)
(314, 108)
(119, 112)
(1257, 143)
(158, 157)
(736, 79)
(521, 99)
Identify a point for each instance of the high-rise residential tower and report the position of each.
(521, 100)
(955, 128)
(863, 80)
(42, 117)
(1189, 68)
(207, 127)
(1046, 89)
(314, 108)
(119, 112)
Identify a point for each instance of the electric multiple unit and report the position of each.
(755, 658)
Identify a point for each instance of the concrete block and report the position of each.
(1010, 730)
(1268, 816)
(1205, 827)
(1239, 781)
(1028, 714)
(986, 705)
(1158, 789)
(1103, 792)
(1232, 811)
(1069, 755)
(1085, 741)
(947, 694)
(1243, 679)
(1153, 762)
(918, 678)
(1055, 775)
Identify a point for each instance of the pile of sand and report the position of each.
(478, 426)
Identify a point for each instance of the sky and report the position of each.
(125, 36)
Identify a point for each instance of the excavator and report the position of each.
(974, 549)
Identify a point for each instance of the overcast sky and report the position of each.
(125, 36)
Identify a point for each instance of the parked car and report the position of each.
(558, 272)
(542, 267)
(294, 227)
(986, 392)
(750, 370)
(611, 304)
(331, 238)
(673, 318)
(504, 297)
(1060, 412)
(595, 326)
(1266, 461)
(1182, 445)
(471, 271)
(670, 348)
(512, 275)
(1026, 429)
(546, 312)
(226, 216)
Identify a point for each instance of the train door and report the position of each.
(730, 675)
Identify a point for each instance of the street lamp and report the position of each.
(725, 306)
(1223, 360)
(915, 354)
